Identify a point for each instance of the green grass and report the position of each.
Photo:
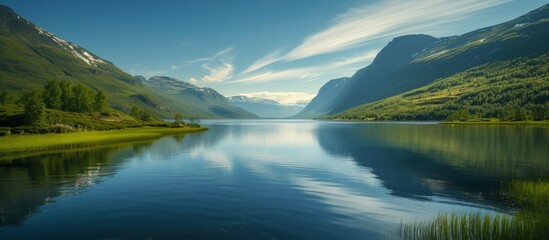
(476, 226)
(508, 91)
(496, 122)
(530, 196)
(18, 143)
(531, 222)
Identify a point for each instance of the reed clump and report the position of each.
(530, 222)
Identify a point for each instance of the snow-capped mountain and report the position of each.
(264, 108)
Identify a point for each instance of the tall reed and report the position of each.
(531, 222)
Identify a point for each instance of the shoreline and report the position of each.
(52, 141)
(517, 123)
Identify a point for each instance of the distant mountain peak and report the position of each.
(241, 98)
(401, 50)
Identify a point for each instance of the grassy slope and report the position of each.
(29, 59)
(11, 114)
(17, 143)
(409, 62)
(28, 63)
(486, 91)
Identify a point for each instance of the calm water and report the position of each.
(267, 180)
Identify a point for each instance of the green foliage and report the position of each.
(18, 143)
(530, 196)
(4, 97)
(52, 95)
(178, 117)
(514, 90)
(67, 95)
(140, 114)
(35, 109)
(532, 222)
(145, 115)
(476, 226)
(82, 98)
(100, 103)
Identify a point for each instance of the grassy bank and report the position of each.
(496, 122)
(34, 142)
(531, 222)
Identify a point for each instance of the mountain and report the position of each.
(31, 56)
(413, 61)
(322, 102)
(264, 108)
(204, 102)
(513, 90)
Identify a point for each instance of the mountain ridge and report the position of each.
(265, 108)
(32, 56)
(443, 57)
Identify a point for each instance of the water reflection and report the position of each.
(465, 162)
(30, 182)
(267, 179)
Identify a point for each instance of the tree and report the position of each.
(82, 98)
(135, 112)
(178, 117)
(4, 97)
(66, 95)
(145, 115)
(100, 104)
(521, 115)
(52, 95)
(35, 109)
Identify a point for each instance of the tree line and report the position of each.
(62, 95)
(513, 90)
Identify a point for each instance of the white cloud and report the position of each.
(264, 61)
(218, 73)
(193, 80)
(220, 67)
(309, 72)
(284, 98)
(385, 19)
(173, 67)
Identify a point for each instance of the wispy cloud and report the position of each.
(284, 98)
(193, 80)
(308, 72)
(218, 73)
(220, 66)
(264, 61)
(145, 71)
(384, 19)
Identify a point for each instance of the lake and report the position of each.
(267, 179)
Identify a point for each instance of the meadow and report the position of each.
(33, 142)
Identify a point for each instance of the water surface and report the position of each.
(268, 180)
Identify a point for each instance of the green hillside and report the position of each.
(414, 61)
(31, 56)
(513, 90)
(205, 102)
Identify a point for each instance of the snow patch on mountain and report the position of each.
(72, 48)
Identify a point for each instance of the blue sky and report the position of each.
(284, 49)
